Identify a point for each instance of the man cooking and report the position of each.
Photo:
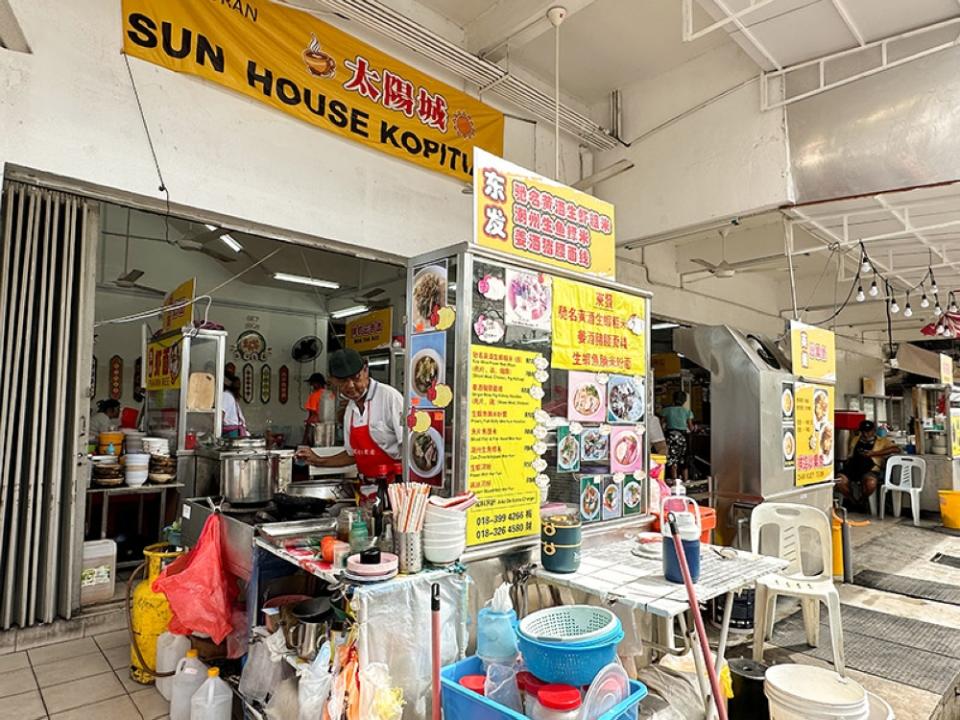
(372, 423)
(861, 472)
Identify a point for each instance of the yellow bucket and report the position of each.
(950, 508)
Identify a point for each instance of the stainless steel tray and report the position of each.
(275, 532)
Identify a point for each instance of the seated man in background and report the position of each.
(862, 471)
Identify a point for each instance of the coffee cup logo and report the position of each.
(317, 61)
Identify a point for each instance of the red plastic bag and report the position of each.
(200, 591)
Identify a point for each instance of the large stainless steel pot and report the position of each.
(245, 477)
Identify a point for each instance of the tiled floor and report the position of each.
(76, 680)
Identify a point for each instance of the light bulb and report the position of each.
(864, 265)
(908, 311)
(938, 311)
(939, 329)
(894, 308)
(953, 306)
(933, 288)
(874, 289)
(860, 295)
(924, 303)
(947, 332)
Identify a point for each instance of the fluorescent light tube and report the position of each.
(231, 243)
(664, 325)
(304, 280)
(348, 311)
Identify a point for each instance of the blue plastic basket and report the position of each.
(462, 704)
(569, 664)
(616, 628)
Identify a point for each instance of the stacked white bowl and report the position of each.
(444, 535)
(136, 468)
(133, 441)
(156, 446)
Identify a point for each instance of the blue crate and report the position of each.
(462, 704)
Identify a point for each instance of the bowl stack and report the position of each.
(107, 472)
(136, 468)
(444, 535)
(163, 469)
(133, 441)
(156, 445)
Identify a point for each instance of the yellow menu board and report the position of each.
(521, 213)
(815, 435)
(501, 458)
(181, 314)
(946, 369)
(813, 352)
(371, 331)
(599, 330)
(292, 61)
(163, 363)
(955, 435)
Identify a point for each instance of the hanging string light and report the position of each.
(953, 303)
(933, 282)
(874, 290)
(924, 303)
(907, 310)
(937, 310)
(860, 295)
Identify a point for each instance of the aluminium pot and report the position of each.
(245, 477)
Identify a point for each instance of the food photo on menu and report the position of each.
(587, 398)
(625, 399)
(568, 451)
(612, 498)
(626, 449)
(429, 294)
(594, 447)
(528, 299)
(591, 491)
(427, 365)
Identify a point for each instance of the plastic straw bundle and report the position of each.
(409, 502)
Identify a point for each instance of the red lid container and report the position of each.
(474, 682)
(559, 697)
(528, 682)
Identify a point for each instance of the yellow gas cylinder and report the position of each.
(150, 613)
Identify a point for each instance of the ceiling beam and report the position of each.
(508, 26)
(11, 34)
(848, 21)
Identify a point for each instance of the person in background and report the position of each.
(861, 473)
(106, 418)
(314, 405)
(658, 443)
(234, 424)
(372, 424)
(678, 420)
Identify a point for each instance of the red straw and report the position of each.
(698, 620)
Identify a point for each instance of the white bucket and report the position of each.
(804, 692)
(879, 709)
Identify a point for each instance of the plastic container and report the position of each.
(473, 683)
(462, 704)
(805, 692)
(170, 648)
(575, 625)
(575, 664)
(214, 699)
(191, 674)
(359, 536)
(497, 636)
(99, 571)
(556, 702)
(688, 526)
(529, 685)
(950, 508)
(560, 545)
(879, 709)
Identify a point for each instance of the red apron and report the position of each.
(372, 461)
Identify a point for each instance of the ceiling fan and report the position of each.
(129, 280)
(725, 269)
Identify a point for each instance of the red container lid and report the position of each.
(528, 682)
(559, 697)
(474, 682)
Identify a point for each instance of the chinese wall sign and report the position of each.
(180, 315)
(598, 329)
(302, 66)
(163, 363)
(522, 213)
(501, 437)
(813, 352)
(946, 369)
(371, 331)
(815, 436)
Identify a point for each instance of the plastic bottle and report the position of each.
(170, 648)
(191, 674)
(359, 536)
(214, 699)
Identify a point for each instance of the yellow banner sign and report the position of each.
(521, 213)
(372, 331)
(164, 363)
(302, 66)
(955, 436)
(500, 470)
(813, 352)
(598, 330)
(946, 369)
(815, 434)
(178, 300)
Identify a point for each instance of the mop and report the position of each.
(697, 619)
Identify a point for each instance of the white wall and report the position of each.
(69, 109)
(696, 162)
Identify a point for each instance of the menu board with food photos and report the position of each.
(788, 432)
(815, 435)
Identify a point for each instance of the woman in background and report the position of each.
(234, 424)
(678, 422)
(105, 419)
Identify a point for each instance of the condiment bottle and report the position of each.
(556, 702)
(359, 536)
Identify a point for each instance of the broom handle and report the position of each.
(698, 619)
(435, 649)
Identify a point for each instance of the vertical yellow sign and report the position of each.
(955, 436)
(813, 352)
(946, 369)
(815, 434)
(180, 313)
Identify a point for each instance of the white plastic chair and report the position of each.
(899, 480)
(789, 519)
